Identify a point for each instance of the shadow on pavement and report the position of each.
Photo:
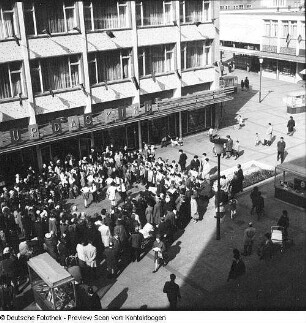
(119, 300)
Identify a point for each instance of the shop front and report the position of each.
(290, 186)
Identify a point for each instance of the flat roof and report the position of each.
(297, 166)
(49, 270)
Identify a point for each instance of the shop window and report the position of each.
(55, 73)
(156, 59)
(53, 17)
(150, 13)
(109, 66)
(11, 80)
(106, 15)
(269, 65)
(7, 21)
(287, 68)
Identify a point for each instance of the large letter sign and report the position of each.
(33, 131)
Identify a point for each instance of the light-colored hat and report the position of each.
(6, 250)
(48, 235)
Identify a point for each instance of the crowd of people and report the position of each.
(143, 192)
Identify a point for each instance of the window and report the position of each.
(271, 28)
(194, 11)
(55, 73)
(150, 13)
(7, 21)
(195, 54)
(248, 6)
(11, 80)
(156, 59)
(106, 15)
(289, 28)
(285, 28)
(55, 17)
(109, 66)
(269, 65)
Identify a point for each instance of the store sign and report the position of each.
(73, 123)
(136, 109)
(15, 136)
(33, 131)
(88, 122)
(122, 113)
(148, 107)
(56, 126)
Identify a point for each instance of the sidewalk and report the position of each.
(201, 263)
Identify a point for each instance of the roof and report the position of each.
(49, 270)
(297, 167)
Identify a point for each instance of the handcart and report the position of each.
(277, 236)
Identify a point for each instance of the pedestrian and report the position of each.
(233, 207)
(158, 248)
(290, 126)
(240, 178)
(237, 267)
(254, 198)
(265, 249)
(248, 239)
(90, 253)
(269, 133)
(248, 67)
(228, 147)
(136, 240)
(260, 206)
(93, 302)
(242, 84)
(85, 193)
(246, 83)
(284, 222)
(182, 160)
(111, 193)
(111, 258)
(281, 145)
(239, 119)
(257, 139)
(194, 209)
(236, 149)
(173, 292)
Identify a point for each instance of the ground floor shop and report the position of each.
(289, 70)
(133, 135)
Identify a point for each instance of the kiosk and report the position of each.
(52, 285)
(291, 186)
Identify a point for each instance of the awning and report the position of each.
(297, 167)
(249, 52)
(163, 108)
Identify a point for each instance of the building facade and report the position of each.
(76, 74)
(277, 36)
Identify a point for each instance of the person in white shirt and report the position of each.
(111, 194)
(81, 256)
(90, 253)
(85, 191)
(206, 169)
(105, 234)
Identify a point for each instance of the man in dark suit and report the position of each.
(195, 163)
(182, 160)
(135, 240)
(173, 292)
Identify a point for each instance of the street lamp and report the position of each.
(219, 144)
(260, 62)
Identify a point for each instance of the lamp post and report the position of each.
(260, 76)
(219, 143)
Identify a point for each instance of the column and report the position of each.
(92, 139)
(84, 46)
(26, 64)
(177, 92)
(139, 135)
(180, 125)
(39, 157)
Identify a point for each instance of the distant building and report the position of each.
(276, 35)
(255, 4)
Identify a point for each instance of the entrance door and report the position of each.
(85, 145)
(46, 154)
(132, 135)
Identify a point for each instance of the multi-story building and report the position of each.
(276, 35)
(74, 74)
(255, 4)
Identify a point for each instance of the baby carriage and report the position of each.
(277, 236)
